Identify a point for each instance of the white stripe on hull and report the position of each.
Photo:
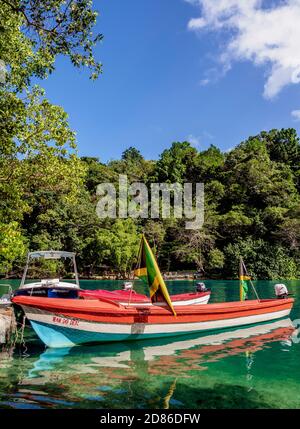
(148, 329)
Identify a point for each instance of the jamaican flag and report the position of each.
(148, 271)
(243, 281)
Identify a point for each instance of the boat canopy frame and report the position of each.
(50, 254)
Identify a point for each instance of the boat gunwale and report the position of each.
(114, 309)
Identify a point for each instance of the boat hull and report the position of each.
(59, 323)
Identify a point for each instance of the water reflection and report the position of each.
(253, 367)
(197, 348)
(152, 374)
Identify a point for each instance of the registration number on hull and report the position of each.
(65, 322)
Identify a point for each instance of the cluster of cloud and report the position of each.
(200, 141)
(296, 114)
(194, 140)
(265, 32)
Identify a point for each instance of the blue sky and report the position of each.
(165, 82)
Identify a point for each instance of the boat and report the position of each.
(56, 288)
(64, 322)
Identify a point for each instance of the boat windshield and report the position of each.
(50, 265)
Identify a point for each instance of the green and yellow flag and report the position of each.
(149, 272)
(243, 281)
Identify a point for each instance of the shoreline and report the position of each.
(116, 278)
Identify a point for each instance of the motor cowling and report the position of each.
(127, 286)
(200, 287)
(281, 290)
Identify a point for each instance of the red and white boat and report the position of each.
(60, 319)
(63, 322)
(132, 298)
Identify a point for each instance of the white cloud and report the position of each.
(204, 139)
(196, 23)
(204, 82)
(194, 140)
(265, 35)
(296, 115)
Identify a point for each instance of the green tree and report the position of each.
(120, 244)
(12, 245)
(176, 165)
(34, 33)
(37, 148)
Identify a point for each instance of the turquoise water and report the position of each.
(253, 367)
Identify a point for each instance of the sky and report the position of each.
(205, 71)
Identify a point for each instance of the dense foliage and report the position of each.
(48, 194)
(251, 210)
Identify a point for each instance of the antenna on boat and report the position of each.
(75, 270)
(137, 266)
(25, 271)
(244, 276)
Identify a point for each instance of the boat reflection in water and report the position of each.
(158, 373)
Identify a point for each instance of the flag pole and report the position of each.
(138, 264)
(240, 277)
(243, 266)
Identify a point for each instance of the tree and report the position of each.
(12, 245)
(133, 165)
(96, 173)
(40, 155)
(132, 155)
(263, 259)
(34, 33)
(38, 159)
(195, 247)
(209, 164)
(176, 165)
(155, 233)
(120, 245)
(216, 259)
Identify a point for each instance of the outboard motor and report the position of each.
(281, 291)
(5, 300)
(127, 286)
(200, 287)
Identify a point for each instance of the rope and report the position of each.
(168, 397)
(19, 336)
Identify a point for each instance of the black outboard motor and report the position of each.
(200, 287)
(281, 291)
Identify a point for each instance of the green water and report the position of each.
(253, 367)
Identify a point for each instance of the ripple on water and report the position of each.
(259, 371)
